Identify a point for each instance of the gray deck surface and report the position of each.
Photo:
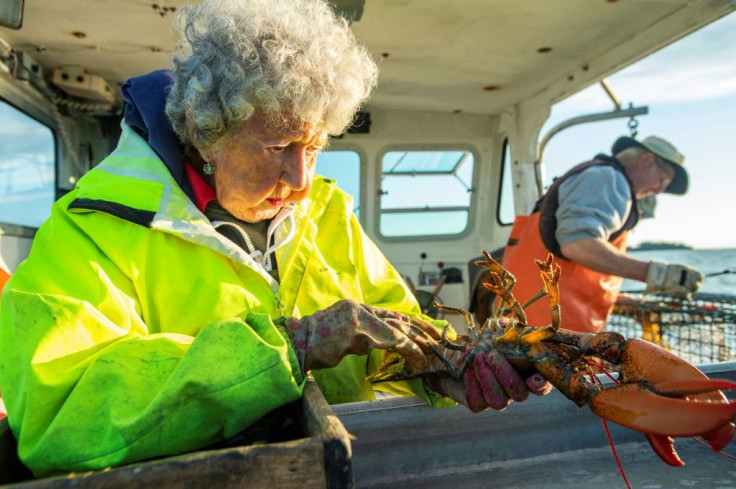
(544, 442)
(587, 468)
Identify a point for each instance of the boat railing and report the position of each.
(701, 330)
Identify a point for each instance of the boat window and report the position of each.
(426, 192)
(506, 210)
(27, 168)
(343, 166)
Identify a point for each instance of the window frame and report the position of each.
(362, 174)
(34, 109)
(472, 206)
(504, 146)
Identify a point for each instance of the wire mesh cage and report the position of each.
(702, 330)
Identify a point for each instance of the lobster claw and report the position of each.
(664, 396)
(664, 446)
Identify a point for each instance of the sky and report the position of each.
(690, 89)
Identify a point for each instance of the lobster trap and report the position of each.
(702, 330)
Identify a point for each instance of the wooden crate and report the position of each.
(321, 459)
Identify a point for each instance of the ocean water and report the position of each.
(712, 263)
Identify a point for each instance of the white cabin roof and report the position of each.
(472, 56)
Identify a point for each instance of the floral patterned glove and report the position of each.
(322, 339)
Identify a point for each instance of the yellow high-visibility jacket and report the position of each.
(135, 330)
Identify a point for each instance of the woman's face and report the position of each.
(259, 168)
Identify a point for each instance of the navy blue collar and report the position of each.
(145, 101)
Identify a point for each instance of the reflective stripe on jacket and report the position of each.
(135, 330)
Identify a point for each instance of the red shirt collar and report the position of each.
(203, 193)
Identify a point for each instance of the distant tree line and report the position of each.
(659, 245)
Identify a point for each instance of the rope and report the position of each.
(65, 136)
(725, 272)
(66, 139)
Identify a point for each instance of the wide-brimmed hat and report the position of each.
(665, 150)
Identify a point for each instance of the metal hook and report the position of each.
(633, 126)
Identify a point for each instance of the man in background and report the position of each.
(583, 219)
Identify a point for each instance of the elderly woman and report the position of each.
(184, 288)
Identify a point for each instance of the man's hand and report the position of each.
(322, 339)
(672, 279)
(490, 382)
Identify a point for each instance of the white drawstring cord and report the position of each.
(255, 254)
(287, 213)
(264, 259)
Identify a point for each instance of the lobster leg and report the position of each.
(491, 264)
(506, 281)
(497, 287)
(550, 276)
(472, 327)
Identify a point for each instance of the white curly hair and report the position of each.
(291, 60)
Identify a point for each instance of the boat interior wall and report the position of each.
(424, 125)
(522, 124)
(396, 130)
(15, 244)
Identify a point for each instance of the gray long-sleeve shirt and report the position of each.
(592, 204)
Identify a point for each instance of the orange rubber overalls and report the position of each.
(586, 296)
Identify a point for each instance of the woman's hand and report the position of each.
(322, 339)
(489, 382)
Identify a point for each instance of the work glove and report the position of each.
(672, 279)
(322, 339)
(489, 382)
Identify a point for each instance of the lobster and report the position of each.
(656, 392)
